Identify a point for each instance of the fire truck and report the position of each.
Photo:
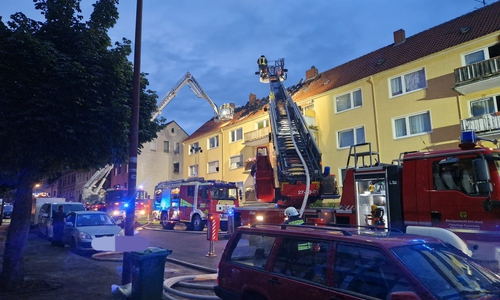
(454, 189)
(191, 201)
(115, 203)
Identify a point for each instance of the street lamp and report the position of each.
(196, 150)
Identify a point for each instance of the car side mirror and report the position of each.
(403, 296)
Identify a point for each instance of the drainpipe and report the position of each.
(375, 116)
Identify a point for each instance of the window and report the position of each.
(456, 175)
(481, 54)
(412, 125)
(485, 106)
(193, 170)
(213, 167)
(252, 250)
(177, 167)
(408, 83)
(194, 148)
(166, 146)
(304, 259)
(152, 146)
(213, 142)
(262, 124)
(347, 138)
(236, 135)
(172, 130)
(236, 162)
(361, 269)
(177, 149)
(348, 101)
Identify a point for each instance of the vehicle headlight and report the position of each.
(142, 212)
(116, 212)
(85, 236)
(259, 218)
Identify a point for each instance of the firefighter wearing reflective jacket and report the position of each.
(293, 217)
(262, 62)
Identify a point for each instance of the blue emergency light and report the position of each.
(468, 137)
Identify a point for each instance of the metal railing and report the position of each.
(479, 70)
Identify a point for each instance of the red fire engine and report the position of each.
(190, 201)
(455, 189)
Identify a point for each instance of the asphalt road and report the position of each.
(189, 246)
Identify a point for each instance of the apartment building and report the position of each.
(415, 94)
(159, 160)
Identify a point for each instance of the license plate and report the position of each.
(224, 208)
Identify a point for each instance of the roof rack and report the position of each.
(345, 231)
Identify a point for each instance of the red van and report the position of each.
(272, 262)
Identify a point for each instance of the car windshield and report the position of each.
(93, 220)
(447, 273)
(8, 208)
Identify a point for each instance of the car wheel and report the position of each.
(165, 221)
(197, 224)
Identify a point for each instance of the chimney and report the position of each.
(252, 98)
(399, 36)
(311, 73)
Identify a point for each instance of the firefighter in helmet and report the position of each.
(293, 216)
(262, 62)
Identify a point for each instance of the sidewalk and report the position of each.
(58, 274)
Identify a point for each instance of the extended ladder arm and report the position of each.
(198, 91)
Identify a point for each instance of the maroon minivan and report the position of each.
(272, 262)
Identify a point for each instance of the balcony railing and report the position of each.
(257, 134)
(481, 124)
(479, 70)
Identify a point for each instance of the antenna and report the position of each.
(483, 2)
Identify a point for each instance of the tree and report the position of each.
(65, 102)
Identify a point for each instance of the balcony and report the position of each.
(248, 166)
(476, 77)
(489, 123)
(257, 137)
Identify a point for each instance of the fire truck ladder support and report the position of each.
(299, 158)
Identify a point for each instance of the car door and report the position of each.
(301, 268)
(69, 228)
(42, 219)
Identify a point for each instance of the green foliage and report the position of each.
(65, 102)
(65, 93)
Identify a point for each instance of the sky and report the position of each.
(219, 41)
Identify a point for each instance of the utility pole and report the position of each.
(134, 143)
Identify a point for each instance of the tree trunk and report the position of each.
(12, 276)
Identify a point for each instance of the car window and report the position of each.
(252, 250)
(447, 273)
(303, 258)
(93, 220)
(72, 207)
(367, 271)
(71, 218)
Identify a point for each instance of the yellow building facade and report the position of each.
(415, 94)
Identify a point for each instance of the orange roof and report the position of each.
(455, 32)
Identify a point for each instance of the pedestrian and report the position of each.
(58, 222)
(262, 62)
(293, 216)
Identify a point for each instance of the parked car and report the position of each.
(7, 211)
(84, 226)
(45, 215)
(273, 262)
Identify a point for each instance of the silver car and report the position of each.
(84, 226)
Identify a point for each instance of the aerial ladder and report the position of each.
(224, 114)
(91, 190)
(298, 160)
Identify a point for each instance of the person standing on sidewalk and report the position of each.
(58, 221)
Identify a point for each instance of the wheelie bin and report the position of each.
(147, 272)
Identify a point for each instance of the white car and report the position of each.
(84, 226)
